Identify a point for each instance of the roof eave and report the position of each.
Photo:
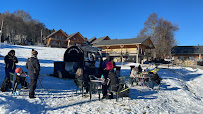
(115, 44)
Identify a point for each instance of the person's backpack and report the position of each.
(5, 85)
(124, 91)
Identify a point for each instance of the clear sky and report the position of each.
(114, 18)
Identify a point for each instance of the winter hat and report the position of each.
(34, 52)
(109, 66)
(18, 70)
(11, 51)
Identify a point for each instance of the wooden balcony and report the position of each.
(128, 53)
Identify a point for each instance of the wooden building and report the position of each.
(95, 40)
(187, 54)
(76, 39)
(92, 39)
(128, 49)
(61, 39)
(57, 39)
(20, 39)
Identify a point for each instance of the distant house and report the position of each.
(76, 39)
(61, 39)
(183, 54)
(57, 39)
(19, 39)
(129, 49)
(92, 39)
(95, 40)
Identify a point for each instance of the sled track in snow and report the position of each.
(185, 85)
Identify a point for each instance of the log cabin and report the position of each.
(126, 49)
(187, 54)
(61, 39)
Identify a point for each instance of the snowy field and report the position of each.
(181, 90)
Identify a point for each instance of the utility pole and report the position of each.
(1, 31)
(41, 38)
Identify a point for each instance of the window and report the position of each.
(191, 58)
(56, 36)
(62, 43)
(71, 44)
(62, 37)
(74, 39)
(54, 42)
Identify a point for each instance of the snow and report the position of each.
(181, 90)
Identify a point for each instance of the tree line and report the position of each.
(162, 34)
(22, 24)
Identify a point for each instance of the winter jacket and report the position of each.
(104, 64)
(114, 64)
(97, 64)
(156, 78)
(113, 79)
(133, 73)
(10, 62)
(109, 66)
(33, 62)
(139, 69)
(83, 78)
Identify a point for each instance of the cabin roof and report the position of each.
(56, 32)
(99, 40)
(187, 50)
(121, 41)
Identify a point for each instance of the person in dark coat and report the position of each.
(10, 60)
(106, 69)
(156, 77)
(97, 67)
(33, 67)
(81, 76)
(139, 69)
(112, 61)
(113, 81)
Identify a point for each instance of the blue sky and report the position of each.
(114, 18)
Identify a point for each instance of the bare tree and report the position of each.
(165, 32)
(162, 34)
(23, 15)
(21, 23)
(149, 27)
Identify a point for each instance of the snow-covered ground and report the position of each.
(181, 90)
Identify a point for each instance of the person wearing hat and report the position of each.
(155, 69)
(33, 67)
(112, 76)
(20, 78)
(113, 79)
(155, 79)
(10, 60)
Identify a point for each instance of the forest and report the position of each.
(20, 28)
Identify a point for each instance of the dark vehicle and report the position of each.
(76, 57)
(160, 61)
